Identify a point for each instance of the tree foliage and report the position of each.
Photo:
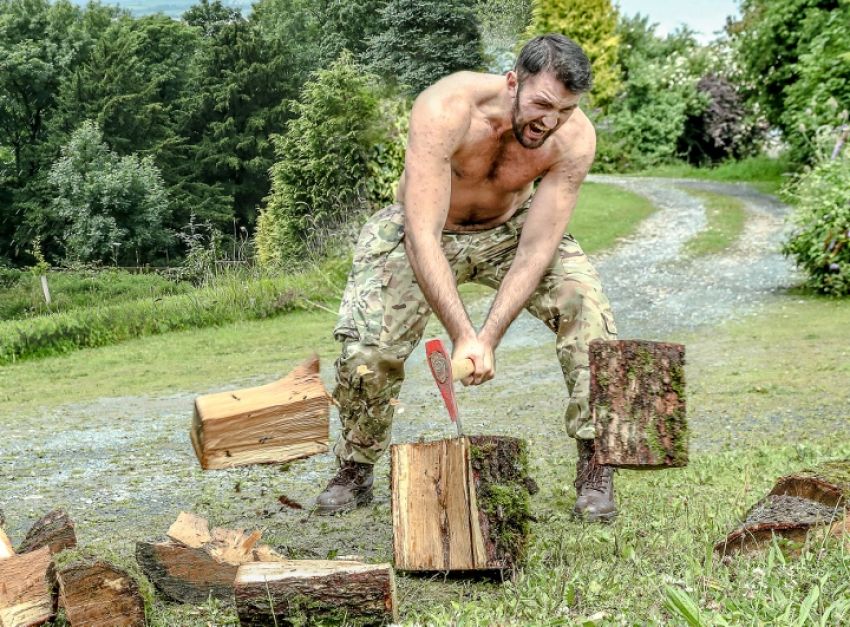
(593, 25)
(420, 42)
(114, 207)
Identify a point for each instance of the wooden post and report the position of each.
(278, 422)
(99, 594)
(315, 592)
(460, 504)
(637, 401)
(45, 289)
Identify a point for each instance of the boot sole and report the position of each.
(591, 518)
(359, 501)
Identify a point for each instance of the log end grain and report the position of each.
(98, 594)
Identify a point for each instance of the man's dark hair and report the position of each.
(556, 53)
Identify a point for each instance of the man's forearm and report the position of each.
(437, 283)
(516, 288)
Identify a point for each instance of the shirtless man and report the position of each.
(469, 211)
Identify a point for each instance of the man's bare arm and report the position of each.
(547, 221)
(437, 126)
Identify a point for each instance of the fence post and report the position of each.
(45, 289)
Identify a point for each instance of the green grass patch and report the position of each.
(230, 299)
(21, 294)
(725, 217)
(765, 174)
(605, 214)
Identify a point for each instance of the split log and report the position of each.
(99, 594)
(197, 563)
(27, 584)
(6, 549)
(460, 504)
(637, 401)
(55, 530)
(315, 592)
(272, 423)
(812, 500)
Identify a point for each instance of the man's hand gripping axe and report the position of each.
(446, 372)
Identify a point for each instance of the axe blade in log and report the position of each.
(446, 372)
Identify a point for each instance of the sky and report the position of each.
(704, 16)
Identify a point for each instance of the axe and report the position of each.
(446, 372)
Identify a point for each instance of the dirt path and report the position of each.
(124, 467)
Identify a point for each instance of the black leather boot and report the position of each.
(594, 486)
(350, 488)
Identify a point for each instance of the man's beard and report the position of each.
(519, 130)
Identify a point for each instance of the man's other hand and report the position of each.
(481, 354)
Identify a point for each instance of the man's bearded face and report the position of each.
(541, 105)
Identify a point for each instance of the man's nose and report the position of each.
(550, 121)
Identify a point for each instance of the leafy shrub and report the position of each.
(229, 300)
(326, 161)
(820, 242)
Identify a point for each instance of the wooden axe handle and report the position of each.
(462, 368)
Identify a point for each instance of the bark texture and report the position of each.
(99, 594)
(315, 592)
(637, 400)
(272, 423)
(54, 530)
(460, 504)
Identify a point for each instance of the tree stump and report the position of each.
(315, 592)
(199, 563)
(100, 595)
(27, 584)
(460, 504)
(812, 500)
(272, 423)
(637, 401)
(55, 529)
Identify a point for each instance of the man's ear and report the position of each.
(512, 82)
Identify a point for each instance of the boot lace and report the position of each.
(595, 476)
(350, 473)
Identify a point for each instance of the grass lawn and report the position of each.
(765, 174)
(606, 213)
(725, 216)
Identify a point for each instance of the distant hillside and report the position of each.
(174, 8)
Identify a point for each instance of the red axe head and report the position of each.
(441, 367)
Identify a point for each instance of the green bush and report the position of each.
(322, 177)
(231, 299)
(820, 242)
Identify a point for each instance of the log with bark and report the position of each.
(277, 422)
(637, 401)
(814, 500)
(460, 504)
(55, 530)
(315, 592)
(98, 594)
(27, 585)
(198, 562)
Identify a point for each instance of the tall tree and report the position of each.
(420, 42)
(593, 25)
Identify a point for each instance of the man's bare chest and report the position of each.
(498, 163)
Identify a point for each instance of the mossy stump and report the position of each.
(637, 402)
(461, 504)
(814, 500)
(315, 592)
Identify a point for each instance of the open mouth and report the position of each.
(535, 130)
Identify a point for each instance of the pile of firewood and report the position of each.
(196, 563)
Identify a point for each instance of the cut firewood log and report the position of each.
(637, 401)
(197, 563)
(27, 584)
(814, 500)
(99, 594)
(460, 504)
(315, 592)
(272, 423)
(55, 529)
(6, 549)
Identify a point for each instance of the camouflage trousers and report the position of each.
(383, 316)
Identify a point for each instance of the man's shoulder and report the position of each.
(576, 140)
(462, 89)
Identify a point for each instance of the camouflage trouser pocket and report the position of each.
(361, 311)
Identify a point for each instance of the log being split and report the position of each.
(460, 504)
(812, 500)
(98, 594)
(277, 422)
(315, 592)
(637, 401)
(198, 562)
(55, 530)
(27, 584)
